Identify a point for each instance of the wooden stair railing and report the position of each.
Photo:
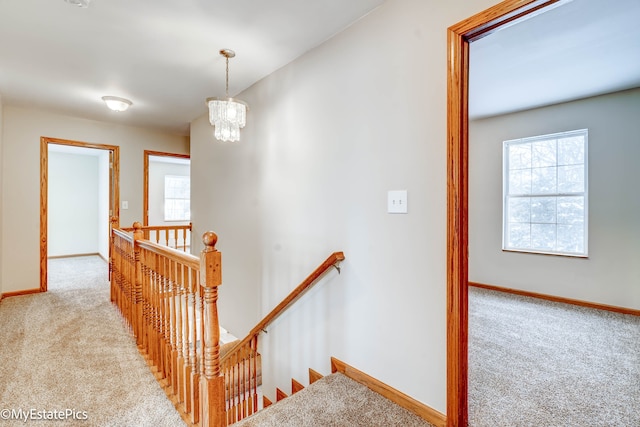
(169, 301)
(240, 365)
(173, 236)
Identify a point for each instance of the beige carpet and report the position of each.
(67, 353)
(334, 401)
(68, 349)
(538, 363)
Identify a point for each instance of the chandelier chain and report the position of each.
(227, 84)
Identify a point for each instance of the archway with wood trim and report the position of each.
(459, 37)
(114, 192)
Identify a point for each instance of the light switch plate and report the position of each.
(397, 201)
(125, 204)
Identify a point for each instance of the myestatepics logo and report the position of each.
(43, 415)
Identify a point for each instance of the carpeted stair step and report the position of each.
(334, 400)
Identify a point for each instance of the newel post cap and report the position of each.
(209, 239)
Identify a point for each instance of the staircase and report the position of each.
(169, 301)
(340, 399)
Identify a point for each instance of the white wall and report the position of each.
(327, 136)
(612, 272)
(21, 179)
(72, 204)
(157, 171)
(103, 203)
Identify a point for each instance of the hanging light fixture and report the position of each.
(227, 115)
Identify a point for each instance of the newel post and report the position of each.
(136, 297)
(211, 383)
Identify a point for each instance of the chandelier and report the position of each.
(227, 114)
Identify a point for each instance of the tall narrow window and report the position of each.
(545, 194)
(177, 198)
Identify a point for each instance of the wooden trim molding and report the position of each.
(458, 38)
(553, 298)
(145, 189)
(44, 184)
(19, 293)
(74, 255)
(423, 411)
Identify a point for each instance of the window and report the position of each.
(177, 198)
(545, 194)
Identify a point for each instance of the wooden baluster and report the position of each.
(151, 326)
(146, 305)
(167, 332)
(138, 234)
(185, 373)
(242, 389)
(254, 347)
(184, 239)
(198, 349)
(211, 383)
(126, 286)
(192, 368)
(180, 314)
(157, 319)
(115, 276)
(176, 345)
(112, 237)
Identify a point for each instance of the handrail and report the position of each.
(121, 233)
(173, 236)
(306, 284)
(159, 227)
(184, 258)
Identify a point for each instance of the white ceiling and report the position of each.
(580, 49)
(160, 54)
(163, 54)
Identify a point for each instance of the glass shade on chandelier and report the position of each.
(228, 116)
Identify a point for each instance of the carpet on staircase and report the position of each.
(334, 400)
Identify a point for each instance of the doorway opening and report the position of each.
(162, 170)
(459, 37)
(106, 161)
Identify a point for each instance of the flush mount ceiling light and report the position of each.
(79, 3)
(116, 103)
(227, 114)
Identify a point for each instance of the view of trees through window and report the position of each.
(177, 198)
(545, 194)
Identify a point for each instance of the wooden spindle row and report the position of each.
(123, 268)
(169, 301)
(241, 371)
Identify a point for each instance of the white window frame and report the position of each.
(167, 178)
(507, 196)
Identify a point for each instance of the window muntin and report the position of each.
(177, 198)
(545, 194)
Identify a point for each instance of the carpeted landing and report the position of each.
(68, 349)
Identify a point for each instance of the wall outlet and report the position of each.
(397, 201)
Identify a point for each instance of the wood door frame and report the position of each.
(459, 37)
(145, 190)
(114, 193)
